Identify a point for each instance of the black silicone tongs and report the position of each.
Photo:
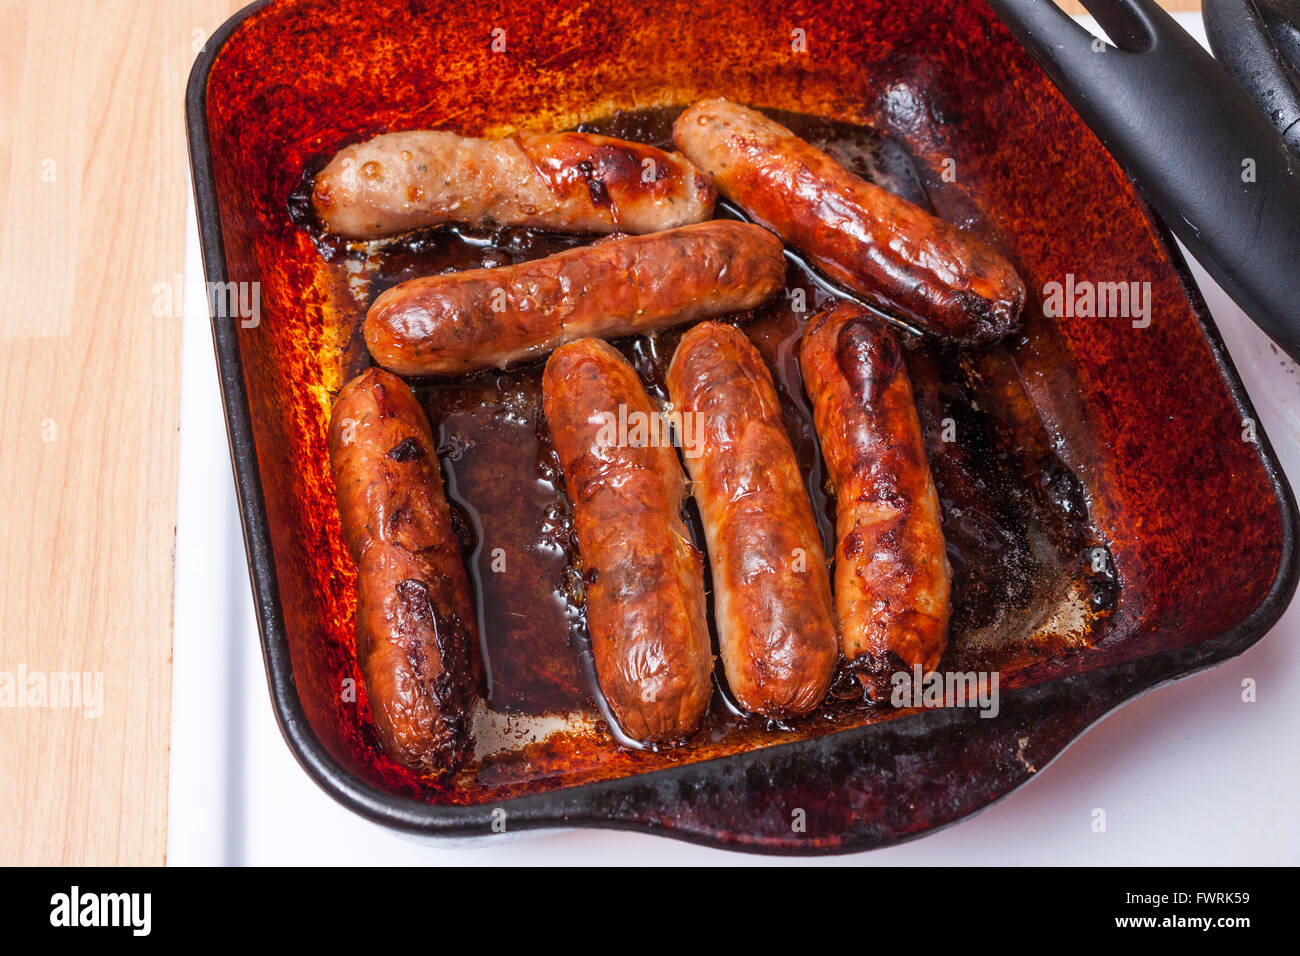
(1259, 43)
(1205, 155)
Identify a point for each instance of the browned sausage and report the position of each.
(644, 578)
(891, 572)
(416, 634)
(569, 182)
(771, 589)
(448, 325)
(865, 237)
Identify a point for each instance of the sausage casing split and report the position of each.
(416, 633)
(644, 578)
(771, 588)
(567, 182)
(448, 325)
(892, 577)
(865, 237)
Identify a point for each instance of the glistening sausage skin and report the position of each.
(566, 182)
(771, 589)
(416, 635)
(449, 325)
(643, 577)
(892, 576)
(878, 244)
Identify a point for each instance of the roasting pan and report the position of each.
(1183, 489)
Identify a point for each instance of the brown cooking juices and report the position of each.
(1030, 581)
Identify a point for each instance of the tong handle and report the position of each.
(1258, 41)
(1200, 151)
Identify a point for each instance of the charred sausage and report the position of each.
(891, 568)
(874, 242)
(447, 325)
(643, 576)
(416, 633)
(567, 182)
(771, 589)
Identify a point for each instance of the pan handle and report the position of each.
(1194, 143)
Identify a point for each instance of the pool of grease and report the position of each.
(1030, 582)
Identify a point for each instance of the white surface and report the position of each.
(1187, 774)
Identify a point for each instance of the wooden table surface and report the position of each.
(93, 185)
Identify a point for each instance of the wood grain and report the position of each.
(93, 184)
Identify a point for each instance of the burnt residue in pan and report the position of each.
(1030, 580)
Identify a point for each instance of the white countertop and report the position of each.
(1188, 774)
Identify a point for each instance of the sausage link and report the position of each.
(771, 589)
(891, 573)
(874, 242)
(448, 325)
(416, 633)
(568, 182)
(644, 578)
